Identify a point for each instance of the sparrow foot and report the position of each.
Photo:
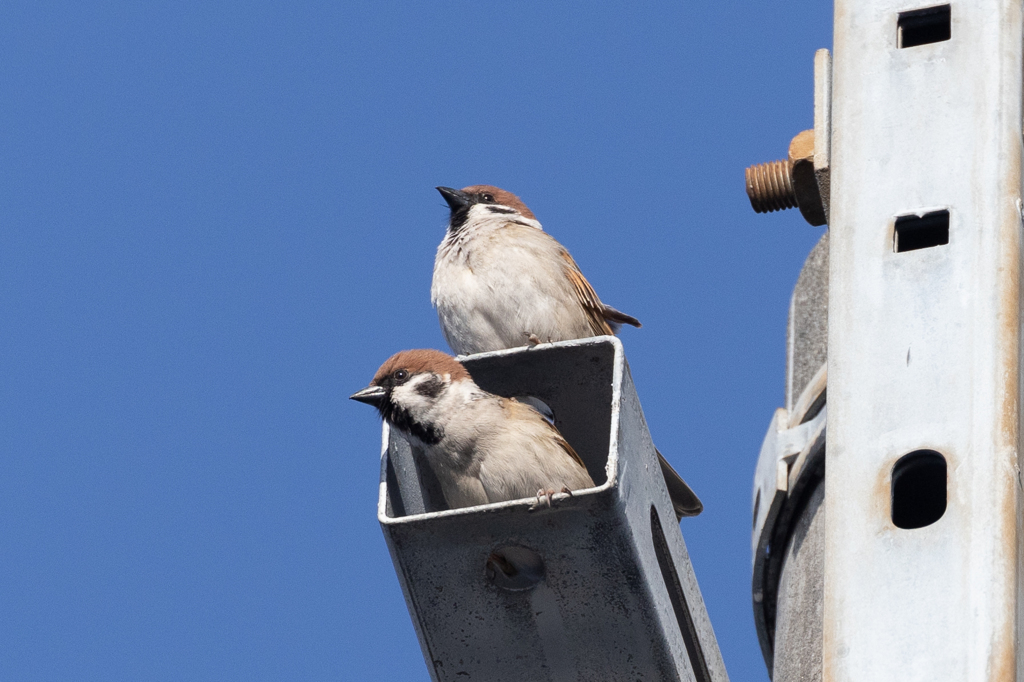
(532, 338)
(545, 495)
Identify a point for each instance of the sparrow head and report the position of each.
(483, 201)
(409, 385)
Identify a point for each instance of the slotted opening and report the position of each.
(678, 598)
(922, 232)
(923, 26)
(918, 489)
(757, 508)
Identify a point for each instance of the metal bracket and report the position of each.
(802, 179)
(791, 460)
(598, 587)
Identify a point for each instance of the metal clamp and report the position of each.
(792, 460)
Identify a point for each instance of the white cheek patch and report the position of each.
(480, 219)
(407, 397)
(479, 213)
(420, 393)
(523, 220)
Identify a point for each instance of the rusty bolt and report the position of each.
(791, 183)
(770, 186)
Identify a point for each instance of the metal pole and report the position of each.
(923, 552)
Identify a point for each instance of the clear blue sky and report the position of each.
(217, 219)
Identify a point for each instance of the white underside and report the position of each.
(497, 283)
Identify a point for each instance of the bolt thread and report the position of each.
(770, 186)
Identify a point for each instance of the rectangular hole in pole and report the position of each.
(923, 26)
(921, 232)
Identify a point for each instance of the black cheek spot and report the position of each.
(500, 209)
(430, 388)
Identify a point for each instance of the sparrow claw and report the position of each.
(532, 338)
(545, 495)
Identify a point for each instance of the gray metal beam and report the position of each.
(605, 588)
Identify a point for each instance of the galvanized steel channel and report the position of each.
(605, 589)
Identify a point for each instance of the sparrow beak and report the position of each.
(456, 198)
(371, 395)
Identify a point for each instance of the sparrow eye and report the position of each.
(487, 198)
(400, 375)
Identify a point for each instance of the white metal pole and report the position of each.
(923, 554)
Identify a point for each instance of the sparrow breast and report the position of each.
(503, 285)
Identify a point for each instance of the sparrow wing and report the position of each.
(604, 319)
(564, 444)
(550, 428)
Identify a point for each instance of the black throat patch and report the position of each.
(458, 218)
(403, 421)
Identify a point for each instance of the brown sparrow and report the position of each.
(500, 281)
(483, 448)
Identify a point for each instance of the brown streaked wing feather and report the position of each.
(515, 405)
(565, 446)
(587, 297)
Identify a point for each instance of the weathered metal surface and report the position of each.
(770, 186)
(787, 537)
(611, 594)
(924, 345)
(790, 462)
(823, 125)
(793, 183)
(805, 182)
(807, 337)
(799, 593)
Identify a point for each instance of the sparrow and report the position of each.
(483, 448)
(500, 281)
